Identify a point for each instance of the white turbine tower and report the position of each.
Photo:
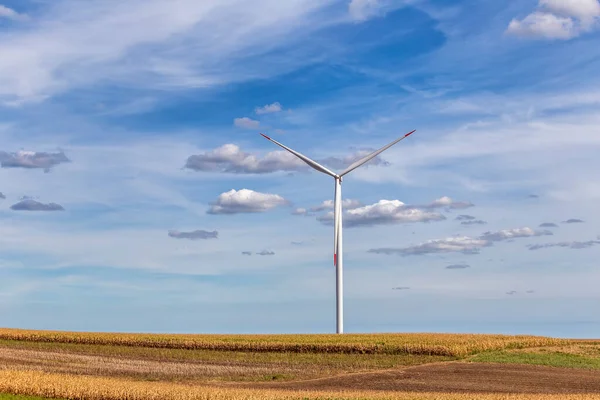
(338, 259)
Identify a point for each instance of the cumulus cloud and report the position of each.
(303, 212)
(268, 109)
(465, 218)
(2, 196)
(573, 221)
(247, 253)
(584, 10)
(458, 266)
(543, 25)
(9, 13)
(474, 222)
(449, 203)
(32, 159)
(229, 158)
(382, 213)
(246, 123)
(507, 234)
(194, 235)
(245, 201)
(347, 204)
(558, 19)
(266, 253)
(462, 244)
(571, 245)
(548, 225)
(33, 205)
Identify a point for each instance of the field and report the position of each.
(103, 366)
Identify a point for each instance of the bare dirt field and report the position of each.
(458, 377)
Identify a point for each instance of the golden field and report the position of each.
(451, 345)
(106, 366)
(95, 388)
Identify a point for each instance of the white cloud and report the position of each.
(584, 10)
(384, 212)
(245, 201)
(347, 204)
(543, 25)
(507, 234)
(246, 123)
(230, 158)
(6, 12)
(268, 109)
(71, 44)
(449, 203)
(558, 19)
(463, 244)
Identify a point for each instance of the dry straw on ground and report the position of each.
(96, 388)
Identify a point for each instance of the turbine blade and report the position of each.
(307, 160)
(373, 155)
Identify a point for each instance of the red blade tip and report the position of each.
(335, 260)
(410, 133)
(265, 136)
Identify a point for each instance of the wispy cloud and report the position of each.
(268, 109)
(245, 201)
(2, 196)
(194, 235)
(465, 218)
(33, 205)
(247, 253)
(401, 288)
(153, 48)
(266, 253)
(6, 12)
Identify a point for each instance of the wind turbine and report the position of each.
(338, 259)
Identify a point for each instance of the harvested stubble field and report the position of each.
(400, 366)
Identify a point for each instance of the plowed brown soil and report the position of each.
(459, 377)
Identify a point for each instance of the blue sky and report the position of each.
(129, 136)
